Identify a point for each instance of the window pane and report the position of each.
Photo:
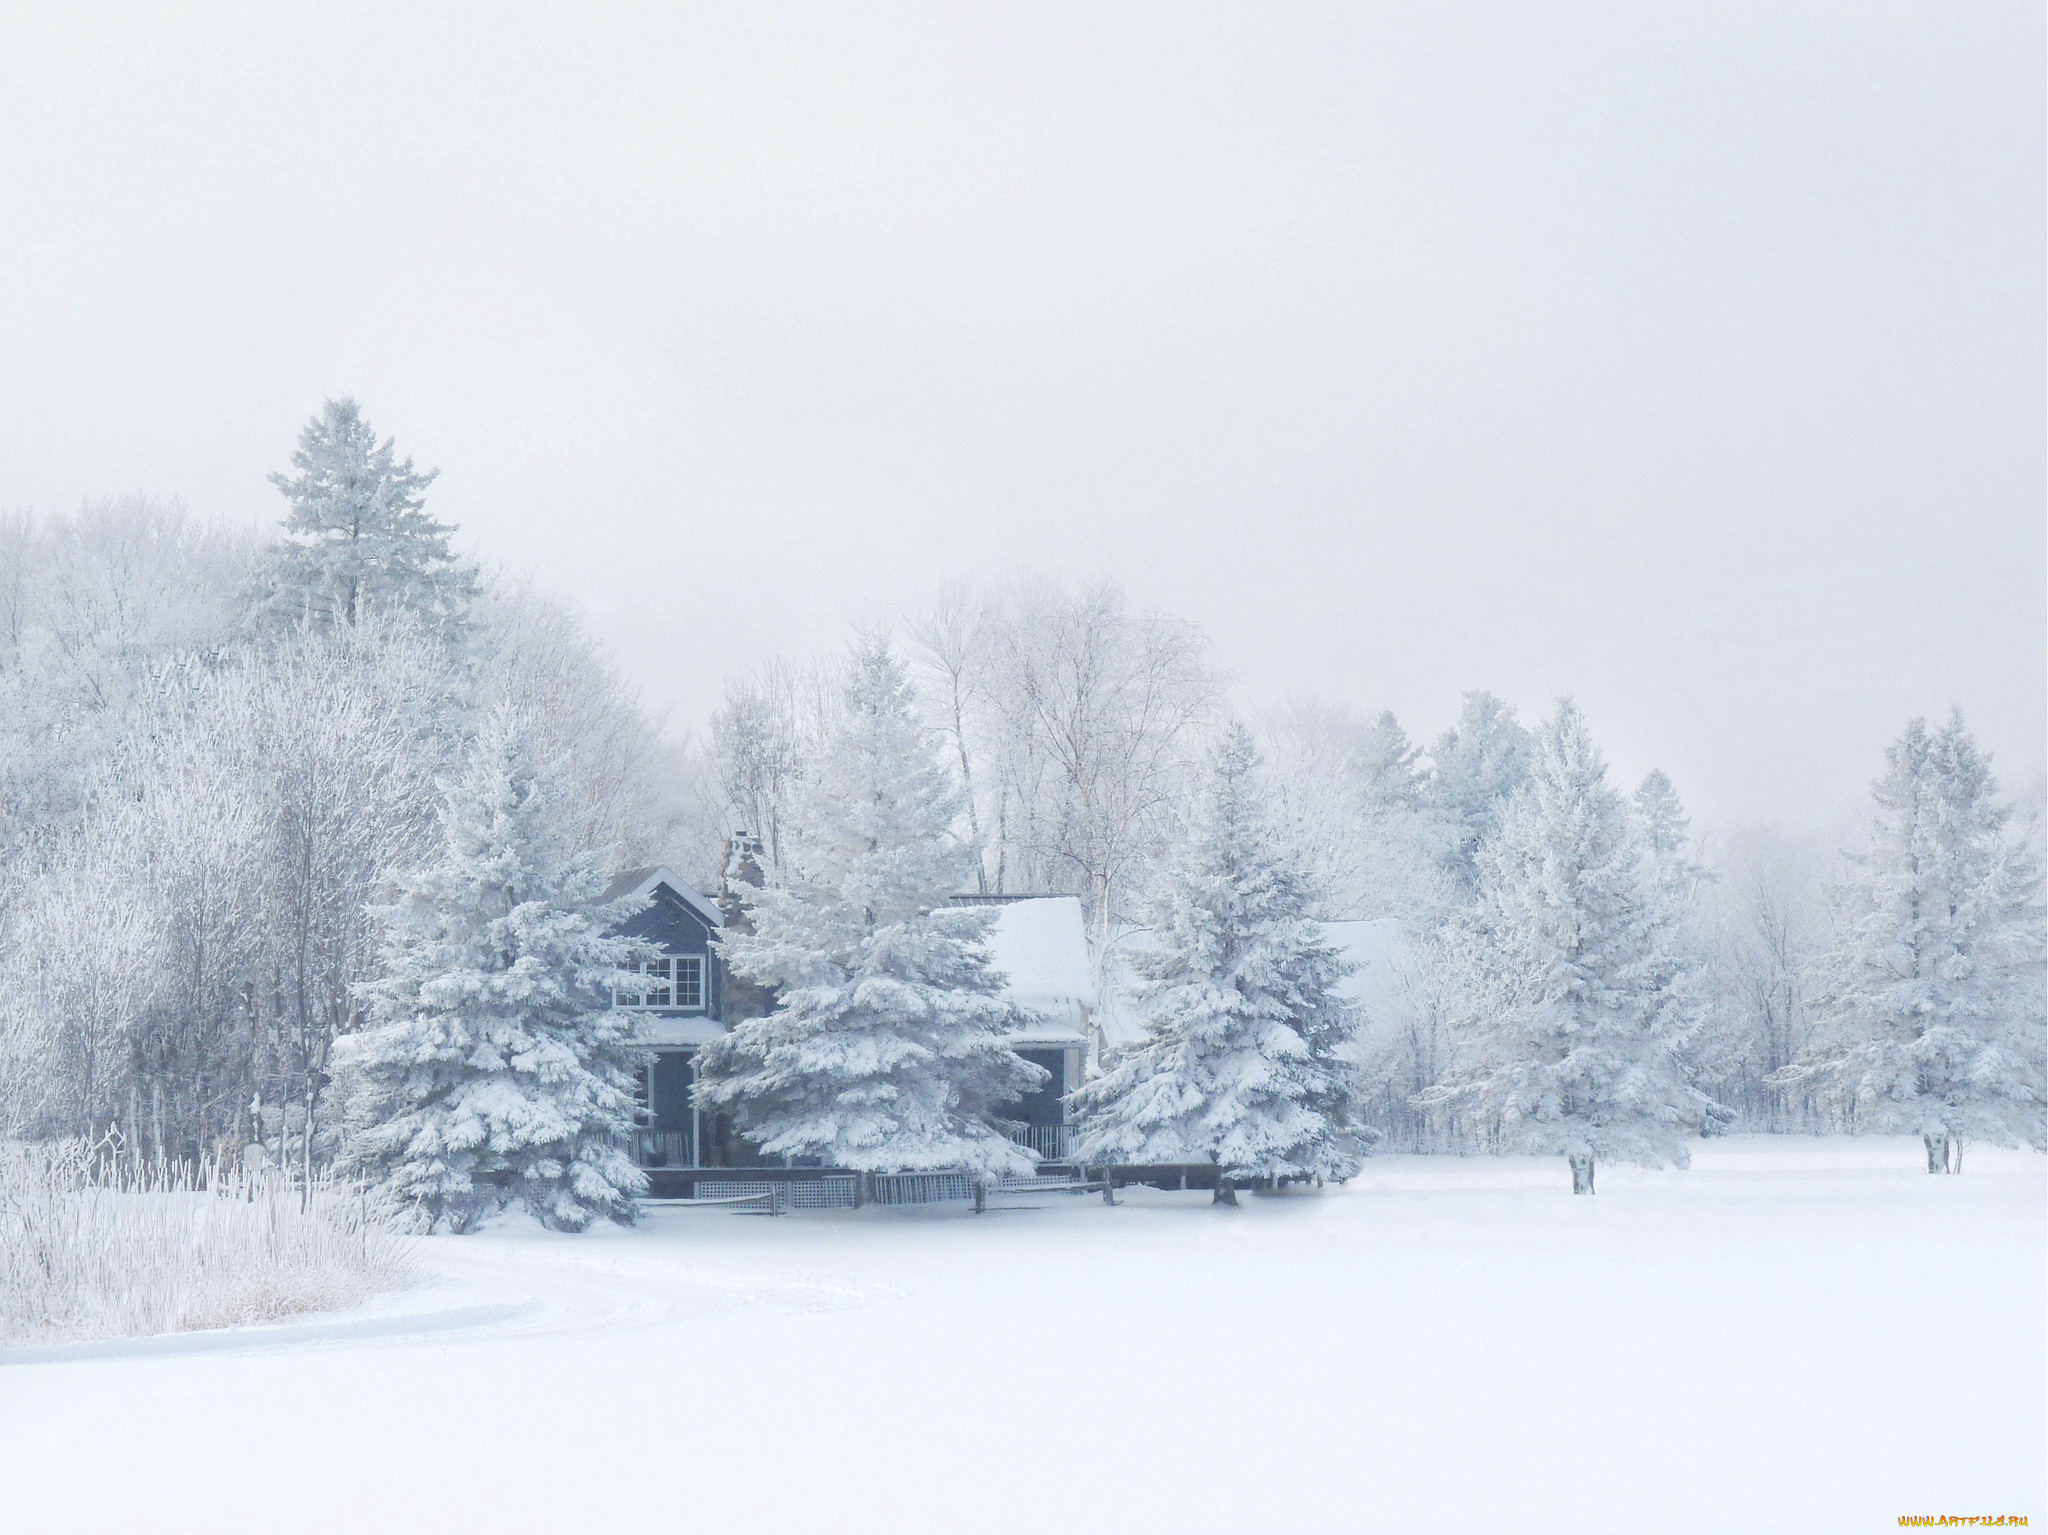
(689, 980)
(658, 991)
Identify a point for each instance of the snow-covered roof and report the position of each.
(645, 881)
(1041, 945)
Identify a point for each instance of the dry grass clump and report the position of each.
(98, 1244)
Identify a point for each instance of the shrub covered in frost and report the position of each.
(95, 1244)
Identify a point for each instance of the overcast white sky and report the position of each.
(1689, 359)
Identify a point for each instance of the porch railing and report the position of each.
(662, 1148)
(1053, 1142)
(674, 1148)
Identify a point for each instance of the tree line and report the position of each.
(248, 791)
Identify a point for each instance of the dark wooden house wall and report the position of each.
(673, 923)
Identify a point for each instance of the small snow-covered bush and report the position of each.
(95, 1244)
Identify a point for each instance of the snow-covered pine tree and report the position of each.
(1476, 767)
(887, 1048)
(493, 1068)
(1401, 838)
(1931, 990)
(1241, 1060)
(1578, 990)
(358, 536)
(1667, 837)
(741, 877)
(1711, 1045)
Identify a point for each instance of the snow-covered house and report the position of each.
(1038, 942)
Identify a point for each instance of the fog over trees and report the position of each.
(226, 763)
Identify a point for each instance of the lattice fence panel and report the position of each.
(707, 1189)
(821, 1194)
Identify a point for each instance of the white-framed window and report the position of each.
(655, 989)
(690, 981)
(659, 989)
(673, 980)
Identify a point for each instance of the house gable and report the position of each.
(681, 922)
(665, 885)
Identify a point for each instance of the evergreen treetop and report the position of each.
(1476, 767)
(358, 536)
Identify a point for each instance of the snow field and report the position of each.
(1798, 1335)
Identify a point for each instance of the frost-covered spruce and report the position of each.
(1711, 1046)
(494, 1070)
(1578, 989)
(1666, 832)
(1476, 767)
(1240, 1059)
(887, 1047)
(1931, 999)
(358, 537)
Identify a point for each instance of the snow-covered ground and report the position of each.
(1796, 1335)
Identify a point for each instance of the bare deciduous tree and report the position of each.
(1076, 723)
(764, 743)
(1767, 920)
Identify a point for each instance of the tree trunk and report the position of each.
(1225, 1194)
(1937, 1152)
(1582, 1171)
(1955, 1155)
